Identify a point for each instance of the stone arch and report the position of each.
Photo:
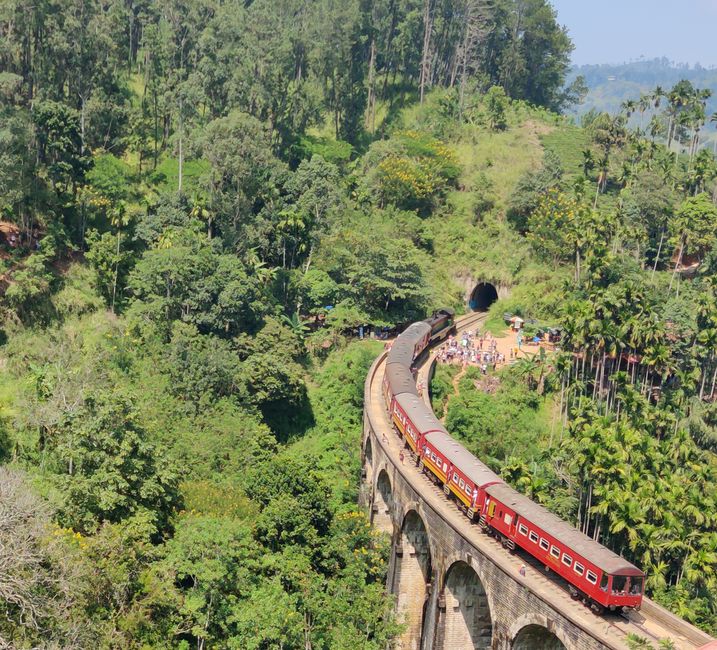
(368, 461)
(536, 631)
(464, 617)
(535, 636)
(484, 294)
(412, 579)
(383, 504)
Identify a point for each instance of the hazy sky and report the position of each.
(613, 31)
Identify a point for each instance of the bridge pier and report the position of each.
(464, 618)
(412, 579)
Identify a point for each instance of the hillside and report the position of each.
(612, 84)
(204, 204)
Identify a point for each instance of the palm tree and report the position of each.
(629, 106)
(589, 161)
(643, 105)
(201, 211)
(292, 224)
(657, 95)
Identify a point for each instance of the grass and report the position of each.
(166, 176)
(502, 157)
(568, 143)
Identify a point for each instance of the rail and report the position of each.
(652, 622)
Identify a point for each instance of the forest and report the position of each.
(201, 201)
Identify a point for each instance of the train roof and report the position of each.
(570, 537)
(421, 416)
(400, 380)
(415, 332)
(401, 352)
(466, 462)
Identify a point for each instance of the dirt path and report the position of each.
(456, 391)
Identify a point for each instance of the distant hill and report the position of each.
(611, 84)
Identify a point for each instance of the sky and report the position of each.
(615, 31)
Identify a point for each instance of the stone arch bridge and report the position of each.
(458, 589)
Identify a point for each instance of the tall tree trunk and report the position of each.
(181, 144)
(83, 112)
(425, 57)
(389, 46)
(657, 257)
(679, 261)
(371, 95)
(114, 282)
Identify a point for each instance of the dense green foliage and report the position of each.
(616, 431)
(185, 187)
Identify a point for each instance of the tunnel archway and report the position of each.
(464, 616)
(382, 504)
(536, 636)
(412, 580)
(483, 296)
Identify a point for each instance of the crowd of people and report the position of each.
(475, 349)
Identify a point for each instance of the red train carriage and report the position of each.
(459, 471)
(397, 379)
(414, 420)
(418, 335)
(595, 573)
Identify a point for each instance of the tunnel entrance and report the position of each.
(483, 296)
(464, 619)
(382, 504)
(536, 636)
(412, 580)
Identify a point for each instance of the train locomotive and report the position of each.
(600, 578)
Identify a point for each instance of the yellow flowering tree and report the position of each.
(563, 228)
(410, 170)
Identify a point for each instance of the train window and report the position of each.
(567, 560)
(523, 529)
(555, 551)
(455, 477)
(468, 490)
(544, 544)
(445, 467)
(635, 586)
(508, 519)
(592, 578)
(462, 483)
(579, 568)
(533, 537)
(619, 584)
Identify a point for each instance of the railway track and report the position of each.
(652, 623)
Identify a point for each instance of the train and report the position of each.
(600, 578)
